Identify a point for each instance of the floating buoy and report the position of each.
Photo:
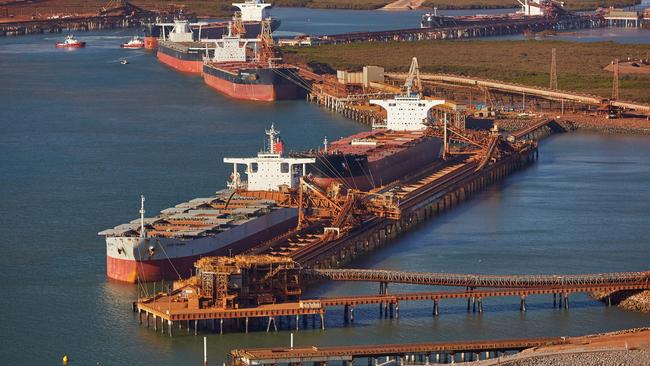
(65, 359)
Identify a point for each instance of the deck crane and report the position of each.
(413, 82)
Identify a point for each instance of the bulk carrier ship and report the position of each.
(166, 246)
(240, 72)
(389, 152)
(251, 14)
(179, 51)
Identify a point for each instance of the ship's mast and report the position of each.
(272, 133)
(142, 233)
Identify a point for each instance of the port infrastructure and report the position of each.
(474, 29)
(528, 91)
(268, 288)
(481, 280)
(115, 14)
(420, 353)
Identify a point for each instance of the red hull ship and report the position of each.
(376, 158)
(183, 56)
(253, 81)
(371, 159)
(166, 246)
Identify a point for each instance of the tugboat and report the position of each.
(70, 42)
(134, 44)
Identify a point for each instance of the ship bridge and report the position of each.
(269, 171)
(408, 112)
(253, 10)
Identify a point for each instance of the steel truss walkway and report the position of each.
(475, 280)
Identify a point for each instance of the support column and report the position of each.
(435, 308)
(566, 300)
(522, 306)
(352, 313)
(171, 326)
(322, 321)
(246, 324)
(196, 327)
(297, 321)
(397, 310)
(221, 326)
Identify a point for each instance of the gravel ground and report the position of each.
(613, 358)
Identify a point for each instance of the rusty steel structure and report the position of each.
(422, 353)
(482, 280)
(329, 217)
(115, 14)
(487, 28)
(246, 281)
(527, 91)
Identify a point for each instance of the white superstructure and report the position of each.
(408, 112)
(269, 171)
(181, 30)
(231, 48)
(253, 10)
(534, 8)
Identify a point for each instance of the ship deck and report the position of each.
(234, 67)
(198, 217)
(186, 46)
(377, 144)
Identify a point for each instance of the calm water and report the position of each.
(83, 136)
(317, 21)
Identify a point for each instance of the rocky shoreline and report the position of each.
(573, 122)
(628, 300)
(602, 358)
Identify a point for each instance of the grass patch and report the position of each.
(580, 65)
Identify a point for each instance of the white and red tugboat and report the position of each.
(134, 43)
(70, 42)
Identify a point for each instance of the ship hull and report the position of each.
(71, 45)
(179, 63)
(355, 171)
(256, 84)
(133, 259)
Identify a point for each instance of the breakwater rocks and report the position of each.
(572, 122)
(601, 358)
(628, 300)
